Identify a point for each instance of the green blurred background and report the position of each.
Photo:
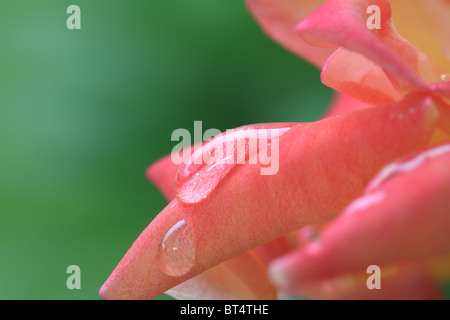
(84, 112)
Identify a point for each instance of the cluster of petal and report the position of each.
(372, 176)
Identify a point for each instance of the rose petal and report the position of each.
(243, 277)
(343, 104)
(439, 137)
(426, 25)
(344, 23)
(278, 19)
(354, 75)
(275, 248)
(440, 268)
(402, 216)
(404, 282)
(248, 209)
(162, 174)
(442, 89)
(409, 283)
(444, 115)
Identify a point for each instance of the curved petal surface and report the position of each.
(278, 18)
(385, 226)
(344, 23)
(315, 181)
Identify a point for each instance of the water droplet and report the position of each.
(209, 164)
(405, 166)
(445, 77)
(176, 250)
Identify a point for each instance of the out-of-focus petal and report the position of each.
(408, 283)
(278, 18)
(444, 114)
(411, 281)
(442, 89)
(343, 104)
(403, 216)
(248, 209)
(354, 75)
(402, 282)
(243, 277)
(439, 137)
(275, 248)
(440, 267)
(344, 23)
(162, 174)
(426, 25)
(441, 11)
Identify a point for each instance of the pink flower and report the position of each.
(367, 185)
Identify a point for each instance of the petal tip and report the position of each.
(103, 292)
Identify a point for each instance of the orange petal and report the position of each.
(440, 267)
(439, 137)
(426, 25)
(354, 75)
(322, 166)
(444, 115)
(344, 23)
